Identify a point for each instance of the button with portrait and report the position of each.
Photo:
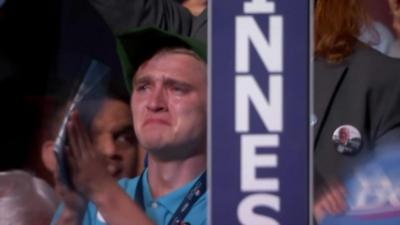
(347, 140)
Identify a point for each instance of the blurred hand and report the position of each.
(88, 169)
(74, 202)
(91, 181)
(329, 200)
(71, 199)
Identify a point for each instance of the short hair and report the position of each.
(25, 199)
(178, 50)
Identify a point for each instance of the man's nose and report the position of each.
(157, 101)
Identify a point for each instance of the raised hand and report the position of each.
(331, 200)
(88, 168)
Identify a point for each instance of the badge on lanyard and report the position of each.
(347, 140)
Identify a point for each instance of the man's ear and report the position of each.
(48, 156)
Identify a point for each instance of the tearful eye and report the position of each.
(141, 87)
(179, 89)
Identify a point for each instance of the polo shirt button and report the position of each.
(154, 205)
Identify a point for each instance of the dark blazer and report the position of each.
(362, 91)
(122, 15)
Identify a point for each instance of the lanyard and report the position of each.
(195, 192)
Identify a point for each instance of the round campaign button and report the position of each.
(347, 140)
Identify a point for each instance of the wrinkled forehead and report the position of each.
(175, 50)
(165, 52)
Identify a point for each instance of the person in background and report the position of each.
(373, 32)
(378, 36)
(196, 7)
(113, 136)
(25, 199)
(185, 17)
(110, 129)
(394, 50)
(354, 87)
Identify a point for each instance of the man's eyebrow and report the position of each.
(166, 81)
(141, 79)
(171, 81)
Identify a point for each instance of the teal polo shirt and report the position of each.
(160, 210)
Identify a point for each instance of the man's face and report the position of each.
(169, 102)
(343, 135)
(113, 137)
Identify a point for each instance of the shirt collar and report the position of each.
(170, 201)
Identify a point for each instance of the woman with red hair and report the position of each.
(354, 86)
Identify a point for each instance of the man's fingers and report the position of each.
(79, 135)
(83, 140)
(319, 211)
(56, 172)
(334, 202)
(73, 146)
(338, 193)
(332, 199)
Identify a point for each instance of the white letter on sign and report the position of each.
(250, 161)
(246, 209)
(259, 6)
(271, 53)
(270, 112)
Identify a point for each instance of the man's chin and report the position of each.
(155, 139)
(156, 148)
(170, 153)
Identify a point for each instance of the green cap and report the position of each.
(138, 45)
